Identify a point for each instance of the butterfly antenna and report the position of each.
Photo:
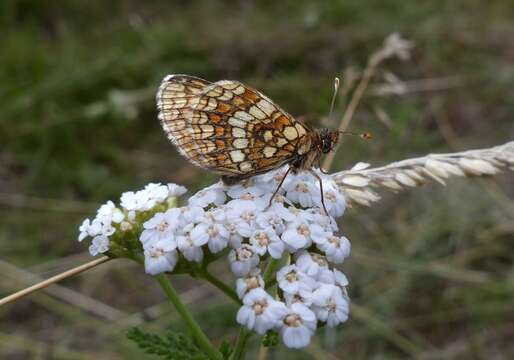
(332, 103)
(364, 135)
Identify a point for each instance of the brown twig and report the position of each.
(393, 45)
(416, 86)
(62, 293)
(77, 270)
(350, 110)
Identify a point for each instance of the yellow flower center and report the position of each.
(162, 226)
(335, 241)
(303, 230)
(252, 283)
(262, 239)
(157, 253)
(302, 187)
(330, 196)
(293, 320)
(212, 231)
(319, 259)
(248, 216)
(331, 305)
(260, 306)
(244, 254)
(292, 276)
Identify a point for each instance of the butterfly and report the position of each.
(237, 132)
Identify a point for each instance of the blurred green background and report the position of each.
(431, 272)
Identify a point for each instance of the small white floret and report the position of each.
(298, 326)
(260, 312)
(99, 245)
(330, 305)
(160, 257)
(252, 280)
(243, 260)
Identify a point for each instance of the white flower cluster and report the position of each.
(109, 218)
(241, 220)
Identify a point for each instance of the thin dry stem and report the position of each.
(62, 293)
(398, 87)
(350, 110)
(77, 270)
(393, 45)
(263, 353)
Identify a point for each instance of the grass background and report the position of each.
(431, 271)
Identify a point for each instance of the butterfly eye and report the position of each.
(327, 144)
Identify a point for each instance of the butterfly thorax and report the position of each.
(312, 147)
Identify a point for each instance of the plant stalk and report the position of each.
(240, 347)
(227, 290)
(200, 337)
(269, 272)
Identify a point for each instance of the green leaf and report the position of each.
(225, 349)
(270, 339)
(172, 346)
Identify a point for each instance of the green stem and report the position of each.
(200, 337)
(240, 347)
(269, 272)
(204, 274)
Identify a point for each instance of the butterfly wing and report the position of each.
(228, 127)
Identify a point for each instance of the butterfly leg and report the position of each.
(320, 189)
(279, 186)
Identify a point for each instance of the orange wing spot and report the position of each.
(239, 101)
(258, 143)
(250, 95)
(215, 118)
(290, 147)
(220, 144)
(282, 153)
(221, 157)
(281, 122)
(264, 163)
(220, 130)
(254, 155)
(224, 108)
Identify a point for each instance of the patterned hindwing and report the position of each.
(234, 130)
(174, 99)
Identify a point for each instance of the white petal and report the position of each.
(296, 338)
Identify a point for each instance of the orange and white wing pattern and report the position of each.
(227, 127)
(174, 100)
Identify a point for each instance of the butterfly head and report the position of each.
(329, 139)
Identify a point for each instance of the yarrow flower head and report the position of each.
(243, 224)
